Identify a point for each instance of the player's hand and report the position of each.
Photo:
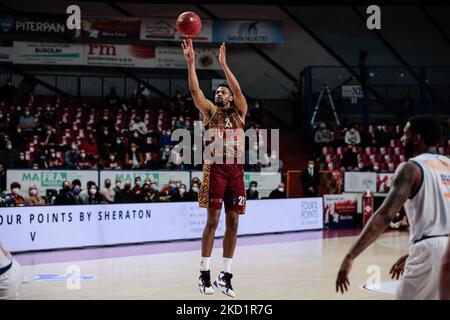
(188, 50)
(398, 268)
(222, 54)
(342, 281)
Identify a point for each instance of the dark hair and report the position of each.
(224, 84)
(15, 185)
(428, 128)
(76, 182)
(254, 182)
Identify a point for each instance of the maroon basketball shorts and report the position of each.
(223, 183)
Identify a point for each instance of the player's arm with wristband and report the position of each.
(404, 182)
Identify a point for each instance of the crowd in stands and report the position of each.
(141, 191)
(99, 133)
(351, 148)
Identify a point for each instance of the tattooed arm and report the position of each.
(404, 183)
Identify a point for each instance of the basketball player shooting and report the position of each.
(423, 185)
(222, 182)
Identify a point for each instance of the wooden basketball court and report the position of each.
(264, 267)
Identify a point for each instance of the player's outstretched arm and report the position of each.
(403, 183)
(200, 101)
(444, 280)
(239, 98)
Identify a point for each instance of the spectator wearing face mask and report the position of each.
(154, 192)
(119, 146)
(14, 199)
(139, 126)
(165, 138)
(107, 192)
(192, 195)
(134, 158)
(65, 197)
(34, 199)
(310, 180)
(252, 192)
(27, 122)
(9, 156)
(89, 145)
(84, 161)
(167, 192)
(84, 194)
(322, 137)
(118, 186)
(15, 116)
(71, 156)
(165, 155)
(22, 163)
(147, 194)
(48, 137)
(19, 138)
(136, 138)
(180, 194)
(95, 197)
(112, 162)
(125, 195)
(52, 161)
(278, 193)
(76, 191)
(349, 159)
(113, 101)
(352, 136)
(137, 189)
(48, 117)
(105, 140)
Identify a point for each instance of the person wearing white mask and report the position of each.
(16, 199)
(27, 122)
(34, 199)
(10, 276)
(192, 195)
(118, 186)
(279, 192)
(133, 158)
(252, 192)
(180, 195)
(95, 197)
(310, 180)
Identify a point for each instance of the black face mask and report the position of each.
(127, 188)
(66, 189)
(107, 185)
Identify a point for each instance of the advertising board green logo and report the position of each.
(45, 179)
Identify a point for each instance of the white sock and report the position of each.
(204, 265)
(227, 264)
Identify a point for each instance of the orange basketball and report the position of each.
(189, 24)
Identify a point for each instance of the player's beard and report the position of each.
(220, 103)
(409, 149)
